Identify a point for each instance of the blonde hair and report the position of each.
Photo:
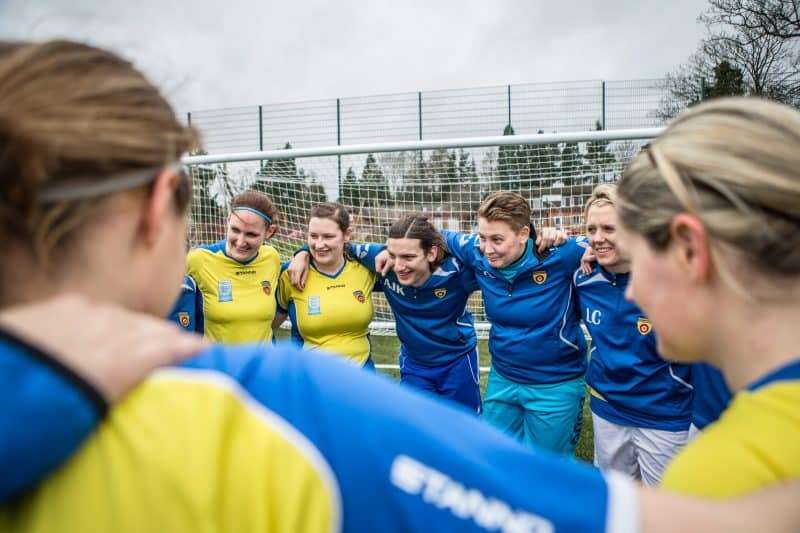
(735, 164)
(603, 194)
(74, 117)
(508, 207)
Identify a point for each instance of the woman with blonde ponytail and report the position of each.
(711, 219)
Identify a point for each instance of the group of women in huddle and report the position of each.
(253, 438)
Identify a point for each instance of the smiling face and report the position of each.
(246, 231)
(601, 229)
(499, 243)
(326, 242)
(411, 264)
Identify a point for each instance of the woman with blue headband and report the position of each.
(237, 276)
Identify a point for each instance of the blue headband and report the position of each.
(252, 210)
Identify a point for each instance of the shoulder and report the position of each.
(596, 277)
(204, 250)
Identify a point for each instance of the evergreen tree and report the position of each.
(280, 180)
(349, 195)
(598, 157)
(375, 184)
(508, 164)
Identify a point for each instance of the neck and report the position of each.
(331, 268)
(521, 253)
(761, 338)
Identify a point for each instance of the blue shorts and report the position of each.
(457, 380)
(546, 416)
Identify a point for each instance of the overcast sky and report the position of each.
(208, 55)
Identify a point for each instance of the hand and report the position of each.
(110, 347)
(298, 269)
(587, 260)
(383, 263)
(548, 238)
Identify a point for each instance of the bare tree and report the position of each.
(756, 37)
(774, 18)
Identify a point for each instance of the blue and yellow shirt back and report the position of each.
(238, 298)
(254, 438)
(333, 312)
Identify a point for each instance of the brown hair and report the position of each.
(508, 207)
(76, 123)
(417, 226)
(258, 201)
(735, 164)
(336, 212)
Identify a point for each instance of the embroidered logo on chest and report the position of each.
(360, 296)
(644, 326)
(266, 287)
(539, 277)
(183, 318)
(440, 292)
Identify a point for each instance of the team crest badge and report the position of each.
(266, 287)
(359, 296)
(183, 318)
(539, 277)
(439, 293)
(644, 326)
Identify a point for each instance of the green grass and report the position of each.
(385, 349)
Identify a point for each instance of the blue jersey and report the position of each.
(711, 394)
(536, 336)
(433, 323)
(188, 310)
(630, 384)
(355, 452)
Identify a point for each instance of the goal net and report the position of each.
(443, 179)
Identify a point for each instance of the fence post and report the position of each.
(509, 104)
(260, 135)
(189, 118)
(603, 105)
(419, 112)
(338, 143)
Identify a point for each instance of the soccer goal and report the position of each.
(443, 179)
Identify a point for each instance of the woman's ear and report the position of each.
(160, 204)
(271, 229)
(690, 246)
(433, 253)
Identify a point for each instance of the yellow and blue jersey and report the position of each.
(188, 310)
(38, 392)
(333, 312)
(755, 443)
(238, 298)
(255, 438)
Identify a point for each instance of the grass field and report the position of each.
(385, 349)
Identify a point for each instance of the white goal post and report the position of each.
(445, 179)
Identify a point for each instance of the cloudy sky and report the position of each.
(210, 55)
